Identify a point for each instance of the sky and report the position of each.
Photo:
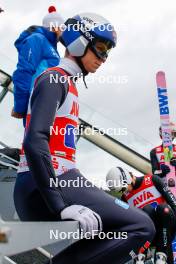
(146, 41)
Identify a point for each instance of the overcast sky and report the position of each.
(146, 43)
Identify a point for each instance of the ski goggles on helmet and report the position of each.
(101, 48)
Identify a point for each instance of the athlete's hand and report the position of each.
(173, 161)
(16, 115)
(88, 219)
(165, 170)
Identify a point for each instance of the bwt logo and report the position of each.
(163, 101)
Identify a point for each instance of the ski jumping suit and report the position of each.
(51, 156)
(151, 194)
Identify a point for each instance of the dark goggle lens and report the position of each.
(102, 49)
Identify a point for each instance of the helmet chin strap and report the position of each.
(79, 61)
(81, 65)
(84, 72)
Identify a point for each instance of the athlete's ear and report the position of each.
(131, 174)
(133, 180)
(132, 184)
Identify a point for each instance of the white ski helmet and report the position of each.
(117, 179)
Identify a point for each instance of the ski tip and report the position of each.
(160, 73)
(160, 79)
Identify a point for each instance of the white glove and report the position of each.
(88, 219)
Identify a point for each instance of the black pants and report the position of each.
(116, 217)
(165, 225)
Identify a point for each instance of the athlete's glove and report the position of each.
(173, 161)
(17, 115)
(89, 220)
(165, 170)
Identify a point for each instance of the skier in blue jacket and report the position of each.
(37, 50)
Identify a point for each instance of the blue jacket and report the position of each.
(37, 51)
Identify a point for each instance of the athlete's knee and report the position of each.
(164, 212)
(163, 208)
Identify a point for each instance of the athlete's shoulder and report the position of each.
(157, 180)
(52, 76)
(157, 149)
(57, 69)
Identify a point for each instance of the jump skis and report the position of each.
(166, 136)
(166, 129)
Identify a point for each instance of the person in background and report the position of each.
(37, 51)
(150, 194)
(157, 157)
